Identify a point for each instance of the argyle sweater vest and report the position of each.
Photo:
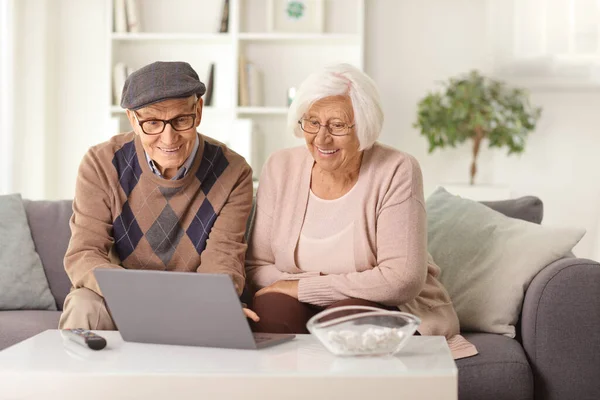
(122, 209)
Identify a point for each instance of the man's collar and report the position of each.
(183, 170)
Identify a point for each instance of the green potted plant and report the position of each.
(474, 107)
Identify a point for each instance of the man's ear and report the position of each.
(132, 120)
(199, 108)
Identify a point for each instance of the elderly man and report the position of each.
(161, 197)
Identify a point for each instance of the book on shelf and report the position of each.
(210, 84)
(224, 26)
(132, 9)
(250, 84)
(120, 16)
(244, 99)
(126, 16)
(255, 89)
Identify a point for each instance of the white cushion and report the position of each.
(488, 260)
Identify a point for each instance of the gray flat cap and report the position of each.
(160, 81)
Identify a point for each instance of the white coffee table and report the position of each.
(47, 366)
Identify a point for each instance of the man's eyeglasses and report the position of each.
(155, 126)
(335, 128)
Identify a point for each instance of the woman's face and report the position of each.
(332, 153)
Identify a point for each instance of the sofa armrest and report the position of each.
(560, 329)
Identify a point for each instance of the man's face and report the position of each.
(171, 148)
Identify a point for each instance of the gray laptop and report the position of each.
(179, 308)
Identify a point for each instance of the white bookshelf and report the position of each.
(187, 30)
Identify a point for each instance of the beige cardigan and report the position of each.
(390, 240)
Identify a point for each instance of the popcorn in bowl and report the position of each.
(361, 330)
(371, 340)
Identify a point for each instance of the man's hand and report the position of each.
(251, 314)
(289, 288)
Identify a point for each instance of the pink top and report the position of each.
(392, 266)
(326, 242)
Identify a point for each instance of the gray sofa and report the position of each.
(556, 355)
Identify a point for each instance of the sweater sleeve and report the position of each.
(261, 266)
(401, 270)
(260, 262)
(226, 247)
(91, 225)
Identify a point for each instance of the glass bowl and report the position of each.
(362, 330)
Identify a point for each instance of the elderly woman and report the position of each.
(342, 221)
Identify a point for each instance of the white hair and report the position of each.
(341, 80)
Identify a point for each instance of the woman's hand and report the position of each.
(251, 314)
(289, 288)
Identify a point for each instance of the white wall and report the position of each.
(6, 95)
(31, 127)
(82, 90)
(560, 164)
(409, 46)
(60, 84)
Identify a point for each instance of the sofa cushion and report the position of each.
(527, 208)
(16, 326)
(49, 224)
(23, 284)
(487, 260)
(500, 371)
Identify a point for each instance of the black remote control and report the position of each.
(86, 338)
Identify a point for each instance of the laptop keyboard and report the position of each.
(261, 337)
